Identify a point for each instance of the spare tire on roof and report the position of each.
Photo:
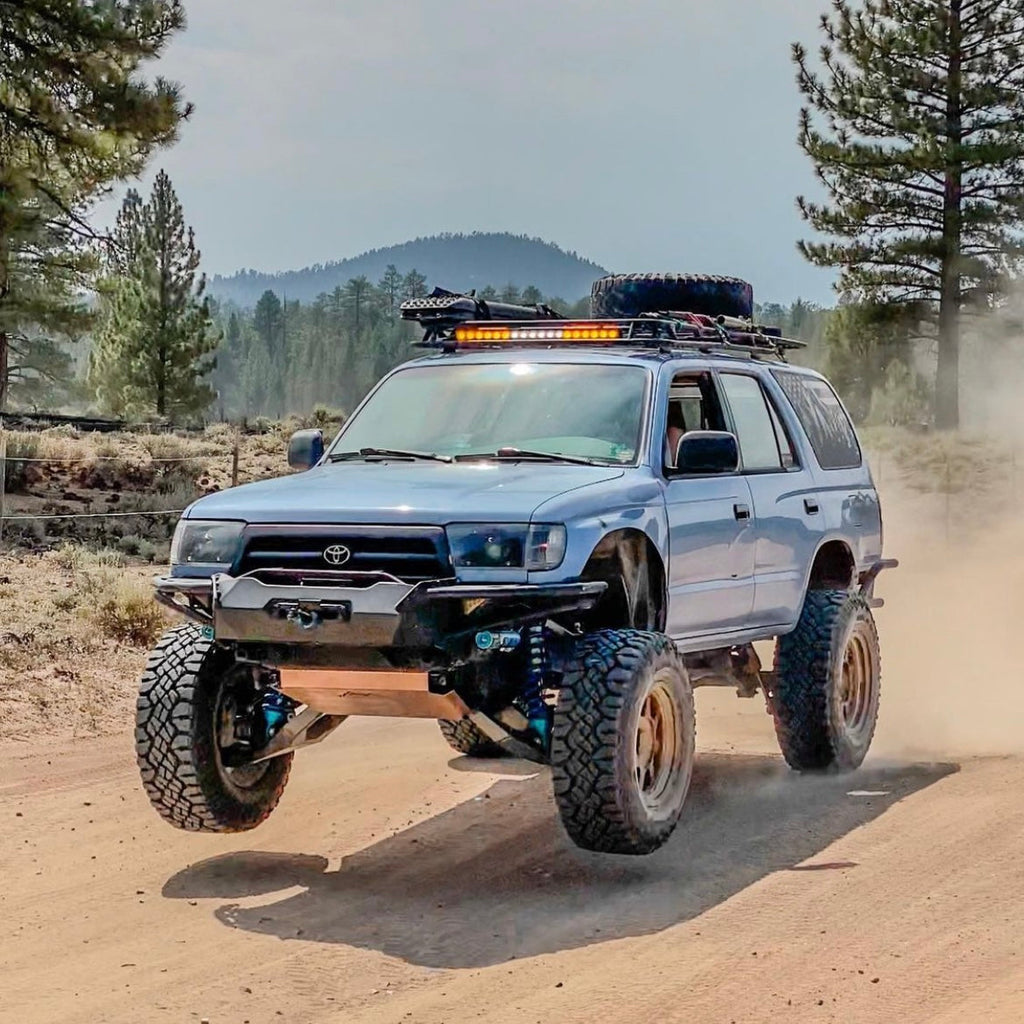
(629, 295)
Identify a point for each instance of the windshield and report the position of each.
(584, 410)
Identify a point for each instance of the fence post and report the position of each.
(234, 463)
(3, 477)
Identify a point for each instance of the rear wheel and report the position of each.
(828, 683)
(623, 742)
(191, 697)
(629, 295)
(467, 739)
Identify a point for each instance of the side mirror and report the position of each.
(708, 451)
(305, 449)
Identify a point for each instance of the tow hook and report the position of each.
(303, 617)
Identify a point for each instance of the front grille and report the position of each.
(411, 553)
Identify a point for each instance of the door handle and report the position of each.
(811, 506)
(741, 512)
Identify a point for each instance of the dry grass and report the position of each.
(939, 461)
(77, 627)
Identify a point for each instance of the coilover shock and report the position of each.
(537, 665)
(277, 708)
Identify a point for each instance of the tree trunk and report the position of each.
(5, 289)
(5, 348)
(161, 381)
(947, 378)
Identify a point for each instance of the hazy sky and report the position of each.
(653, 135)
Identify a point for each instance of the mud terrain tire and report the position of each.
(179, 757)
(629, 295)
(623, 742)
(828, 683)
(467, 739)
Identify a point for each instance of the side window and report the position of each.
(692, 405)
(759, 445)
(785, 445)
(823, 418)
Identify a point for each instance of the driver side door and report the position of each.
(710, 524)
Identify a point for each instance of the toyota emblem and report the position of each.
(337, 554)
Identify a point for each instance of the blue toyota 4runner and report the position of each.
(544, 534)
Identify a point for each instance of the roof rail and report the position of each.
(452, 321)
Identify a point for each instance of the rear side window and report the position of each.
(759, 444)
(823, 418)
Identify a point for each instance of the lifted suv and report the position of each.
(544, 535)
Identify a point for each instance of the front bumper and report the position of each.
(373, 610)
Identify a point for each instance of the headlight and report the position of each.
(199, 542)
(507, 546)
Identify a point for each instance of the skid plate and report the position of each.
(388, 694)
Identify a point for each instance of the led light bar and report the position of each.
(480, 334)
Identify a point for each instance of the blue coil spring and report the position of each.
(277, 709)
(536, 709)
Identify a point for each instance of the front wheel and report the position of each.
(828, 683)
(623, 741)
(191, 695)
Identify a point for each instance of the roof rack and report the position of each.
(453, 321)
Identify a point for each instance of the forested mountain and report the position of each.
(453, 261)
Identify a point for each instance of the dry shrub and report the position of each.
(221, 433)
(128, 613)
(75, 558)
(19, 474)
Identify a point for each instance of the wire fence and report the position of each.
(86, 460)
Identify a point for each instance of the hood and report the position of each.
(423, 493)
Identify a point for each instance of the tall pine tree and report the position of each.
(75, 116)
(915, 124)
(154, 352)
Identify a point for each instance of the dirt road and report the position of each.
(392, 885)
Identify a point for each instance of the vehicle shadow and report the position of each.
(496, 879)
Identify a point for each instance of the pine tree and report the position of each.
(864, 343)
(75, 116)
(357, 302)
(915, 125)
(414, 286)
(268, 320)
(156, 347)
(390, 286)
(42, 309)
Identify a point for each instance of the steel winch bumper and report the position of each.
(264, 607)
(351, 609)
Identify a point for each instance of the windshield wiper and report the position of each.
(386, 453)
(523, 453)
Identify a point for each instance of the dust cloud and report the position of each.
(953, 621)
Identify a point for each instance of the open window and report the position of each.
(692, 405)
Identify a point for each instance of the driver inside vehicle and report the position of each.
(674, 434)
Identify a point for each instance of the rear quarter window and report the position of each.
(823, 418)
